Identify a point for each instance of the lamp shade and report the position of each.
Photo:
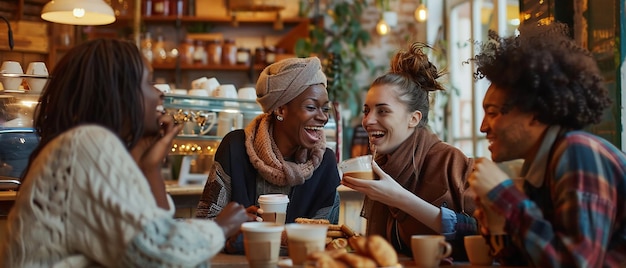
(78, 12)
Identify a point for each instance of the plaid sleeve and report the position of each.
(583, 197)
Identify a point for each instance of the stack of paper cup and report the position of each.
(274, 207)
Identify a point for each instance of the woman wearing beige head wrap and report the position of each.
(282, 150)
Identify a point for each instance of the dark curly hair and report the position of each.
(414, 77)
(543, 71)
(96, 82)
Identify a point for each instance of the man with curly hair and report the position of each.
(571, 210)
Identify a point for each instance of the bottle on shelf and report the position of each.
(199, 53)
(259, 55)
(229, 52)
(159, 54)
(160, 7)
(270, 55)
(147, 8)
(178, 7)
(146, 47)
(243, 56)
(186, 52)
(214, 51)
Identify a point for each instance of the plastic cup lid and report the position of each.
(273, 198)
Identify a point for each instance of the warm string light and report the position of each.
(382, 27)
(421, 13)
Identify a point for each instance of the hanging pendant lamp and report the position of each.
(78, 12)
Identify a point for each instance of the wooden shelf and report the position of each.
(224, 19)
(215, 67)
(172, 66)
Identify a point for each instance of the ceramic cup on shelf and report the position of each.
(38, 68)
(227, 91)
(165, 88)
(200, 92)
(247, 93)
(11, 67)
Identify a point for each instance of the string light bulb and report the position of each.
(421, 13)
(382, 27)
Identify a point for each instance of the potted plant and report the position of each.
(338, 43)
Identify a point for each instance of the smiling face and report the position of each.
(303, 122)
(511, 135)
(387, 119)
(153, 101)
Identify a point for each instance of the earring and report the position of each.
(279, 118)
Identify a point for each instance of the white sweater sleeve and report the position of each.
(93, 200)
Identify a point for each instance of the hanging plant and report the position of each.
(339, 45)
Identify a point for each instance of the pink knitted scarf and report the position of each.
(268, 160)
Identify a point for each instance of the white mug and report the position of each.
(247, 93)
(227, 91)
(36, 85)
(165, 88)
(198, 83)
(198, 92)
(208, 84)
(11, 67)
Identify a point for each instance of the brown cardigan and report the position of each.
(433, 170)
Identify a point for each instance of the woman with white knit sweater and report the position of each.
(93, 193)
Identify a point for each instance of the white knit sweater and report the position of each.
(86, 203)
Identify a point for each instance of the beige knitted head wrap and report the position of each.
(284, 80)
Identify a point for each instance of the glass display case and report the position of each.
(17, 136)
(207, 120)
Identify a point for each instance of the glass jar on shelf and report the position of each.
(186, 52)
(147, 8)
(214, 51)
(159, 54)
(229, 52)
(199, 53)
(243, 56)
(270, 55)
(146, 47)
(160, 7)
(259, 55)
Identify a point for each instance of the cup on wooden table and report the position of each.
(304, 239)
(261, 241)
(478, 251)
(429, 250)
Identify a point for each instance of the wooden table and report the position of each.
(227, 260)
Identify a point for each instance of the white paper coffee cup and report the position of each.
(274, 207)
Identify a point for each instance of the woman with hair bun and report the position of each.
(423, 181)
